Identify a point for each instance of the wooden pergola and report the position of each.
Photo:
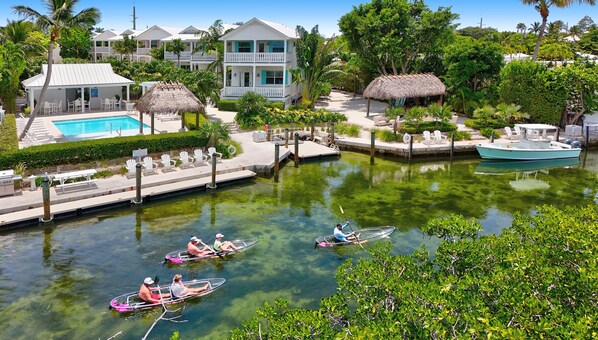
(168, 98)
(390, 87)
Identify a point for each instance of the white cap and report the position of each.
(194, 239)
(148, 281)
(219, 235)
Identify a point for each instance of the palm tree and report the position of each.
(210, 43)
(60, 17)
(521, 27)
(575, 32)
(535, 27)
(214, 132)
(127, 46)
(543, 6)
(177, 46)
(19, 32)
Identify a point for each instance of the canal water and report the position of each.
(56, 281)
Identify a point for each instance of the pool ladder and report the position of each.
(118, 132)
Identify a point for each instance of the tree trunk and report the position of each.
(42, 93)
(540, 35)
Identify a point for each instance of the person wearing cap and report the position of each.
(340, 236)
(223, 246)
(194, 250)
(146, 293)
(179, 289)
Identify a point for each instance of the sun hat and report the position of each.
(148, 281)
(194, 239)
(219, 235)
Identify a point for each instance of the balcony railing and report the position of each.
(268, 92)
(204, 57)
(263, 58)
(185, 56)
(103, 49)
(143, 51)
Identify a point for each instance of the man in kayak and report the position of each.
(342, 237)
(223, 246)
(179, 290)
(146, 292)
(194, 250)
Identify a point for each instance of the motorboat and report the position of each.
(533, 144)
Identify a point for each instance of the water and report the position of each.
(98, 127)
(56, 281)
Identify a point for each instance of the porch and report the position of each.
(258, 58)
(267, 92)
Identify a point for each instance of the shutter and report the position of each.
(236, 46)
(263, 77)
(286, 77)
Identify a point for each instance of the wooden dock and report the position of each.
(309, 150)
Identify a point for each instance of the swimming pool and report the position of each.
(98, 127)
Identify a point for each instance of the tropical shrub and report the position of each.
(388, 136)
(536, 279)
(281, 117)
(8, 134)
(275, 105)
(461, 135)
(250, 106)
(214, 133)
(190, 120)
(228, 105)
(417, 128)
(350, 130)
(99, 149)
(440, 112)
(488, 131)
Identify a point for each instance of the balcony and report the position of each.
(204, 57)
(257, 58)
(185, 56)
(268, 92)
(143, 51)
(103, 49)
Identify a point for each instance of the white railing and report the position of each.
(204, 57)
(268, 58)
(185, 56)
(143, 51)
(268, 92)
(102, 49)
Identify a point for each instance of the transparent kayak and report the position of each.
(131, 302)
(363, 236)
(181, 256)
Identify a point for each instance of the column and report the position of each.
(254, 51)
(82, 99)
(254, 77)
(284, 81)
(128, 93)
(31, 99)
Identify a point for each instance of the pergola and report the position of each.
(168, 98)
(390, 87)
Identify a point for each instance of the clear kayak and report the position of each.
(363, 236)
(131, 302)
(181, 256)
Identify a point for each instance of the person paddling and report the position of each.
(194, 250)
(179, 289)
(219, 245)
(146, 293)
(342, 237)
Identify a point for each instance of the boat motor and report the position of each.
(576, 144)
(568, 141)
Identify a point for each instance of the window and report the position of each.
(277, 46)
(155, 43)
(244, 46)
(99, 43)
(274, 77)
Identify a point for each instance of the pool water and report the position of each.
(98, 127)
(56, 280)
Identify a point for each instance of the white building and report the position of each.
(257, 58)
(152, 38)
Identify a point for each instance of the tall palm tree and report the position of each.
(127, 46)
(177, 46)
(210, 43)
(535, 27)
(521, 27)
(543, 6)
(19, 32)
(60, 17)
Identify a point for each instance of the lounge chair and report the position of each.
(131, 168)
(380, 121)
(149, 167)
(439, 138)
(168, 116)
(427, 137)
(509, 132)
(186, 160)
(212, 153)
(167, 163)
(517, 130)
(200, 158)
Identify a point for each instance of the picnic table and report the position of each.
(64, 177)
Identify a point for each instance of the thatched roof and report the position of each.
(404, 86)
(169, 97)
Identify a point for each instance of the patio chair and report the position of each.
(200, 158)
(167, 163)
(149, 167)
(48, 108)
(517, 130)
(131, 168)
(186, 160)
(212, 153)
(105, 104)
(70, 105)
(427, 137)
(116, 104)
(509, 132)
(439, 138)
(380, 121)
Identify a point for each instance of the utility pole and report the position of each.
(481, 22)
(134, 19)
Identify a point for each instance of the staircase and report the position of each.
(232, 127)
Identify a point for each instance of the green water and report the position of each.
(56, 281)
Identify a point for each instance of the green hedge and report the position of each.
(98, 149)
(228, 105)
(478, 124)
(8, 134)
(190, 120)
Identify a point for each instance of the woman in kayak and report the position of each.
(342, 237)
(146, 292)
(178, 289)
(194, 250)
(223, 246)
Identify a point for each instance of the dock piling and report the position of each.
(212, 186)
(410, 148)
(587, 139)
(276, 157)
(492, 137)
(296, 155)
(46, 197)
(138, 199)
(311, 136)
(373, 143)
(286, 138)
(331, 133)
(452, 144)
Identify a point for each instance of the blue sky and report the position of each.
(501, 14)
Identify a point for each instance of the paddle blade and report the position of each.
(341, 208)
(156, 280)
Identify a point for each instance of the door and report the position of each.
(246, 79)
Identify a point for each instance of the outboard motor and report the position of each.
(568, 141)
(576, 144)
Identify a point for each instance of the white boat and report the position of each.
(534, 144)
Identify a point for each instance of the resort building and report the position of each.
(102, 43)
(258, 57)
(152, 38)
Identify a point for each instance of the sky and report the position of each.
(116, 14)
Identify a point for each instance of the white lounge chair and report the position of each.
(186, 160)
(168, 116)
(427, 137)
(380, 121)
(149, 167)
(517, 130)
(131, 168)
(167, 163)
(212, 153)
(200, 158)
(438, 137)
(509, 132)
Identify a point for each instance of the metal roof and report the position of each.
(284, 30)
(78, 75)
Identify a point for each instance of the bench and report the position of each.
(86, 174)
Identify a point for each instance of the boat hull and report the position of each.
(511, 152)
(365, 235)
(181, 256)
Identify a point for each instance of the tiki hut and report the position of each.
(168, 98)
(390, 87)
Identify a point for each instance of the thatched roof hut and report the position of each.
(168, 98)
(404, 86)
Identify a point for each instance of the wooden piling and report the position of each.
(492, 137)
(587, 139)
(372, 143)
(276, 157)
(138, 199)
(452, 144)
(331, 133)
(46, 198)
(286, 138)
(410, 148)
(296, 155)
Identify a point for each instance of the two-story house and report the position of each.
(102, 42)
(193, 57)
(152, 38)
(257, 58)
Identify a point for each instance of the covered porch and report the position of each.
(270, 81)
